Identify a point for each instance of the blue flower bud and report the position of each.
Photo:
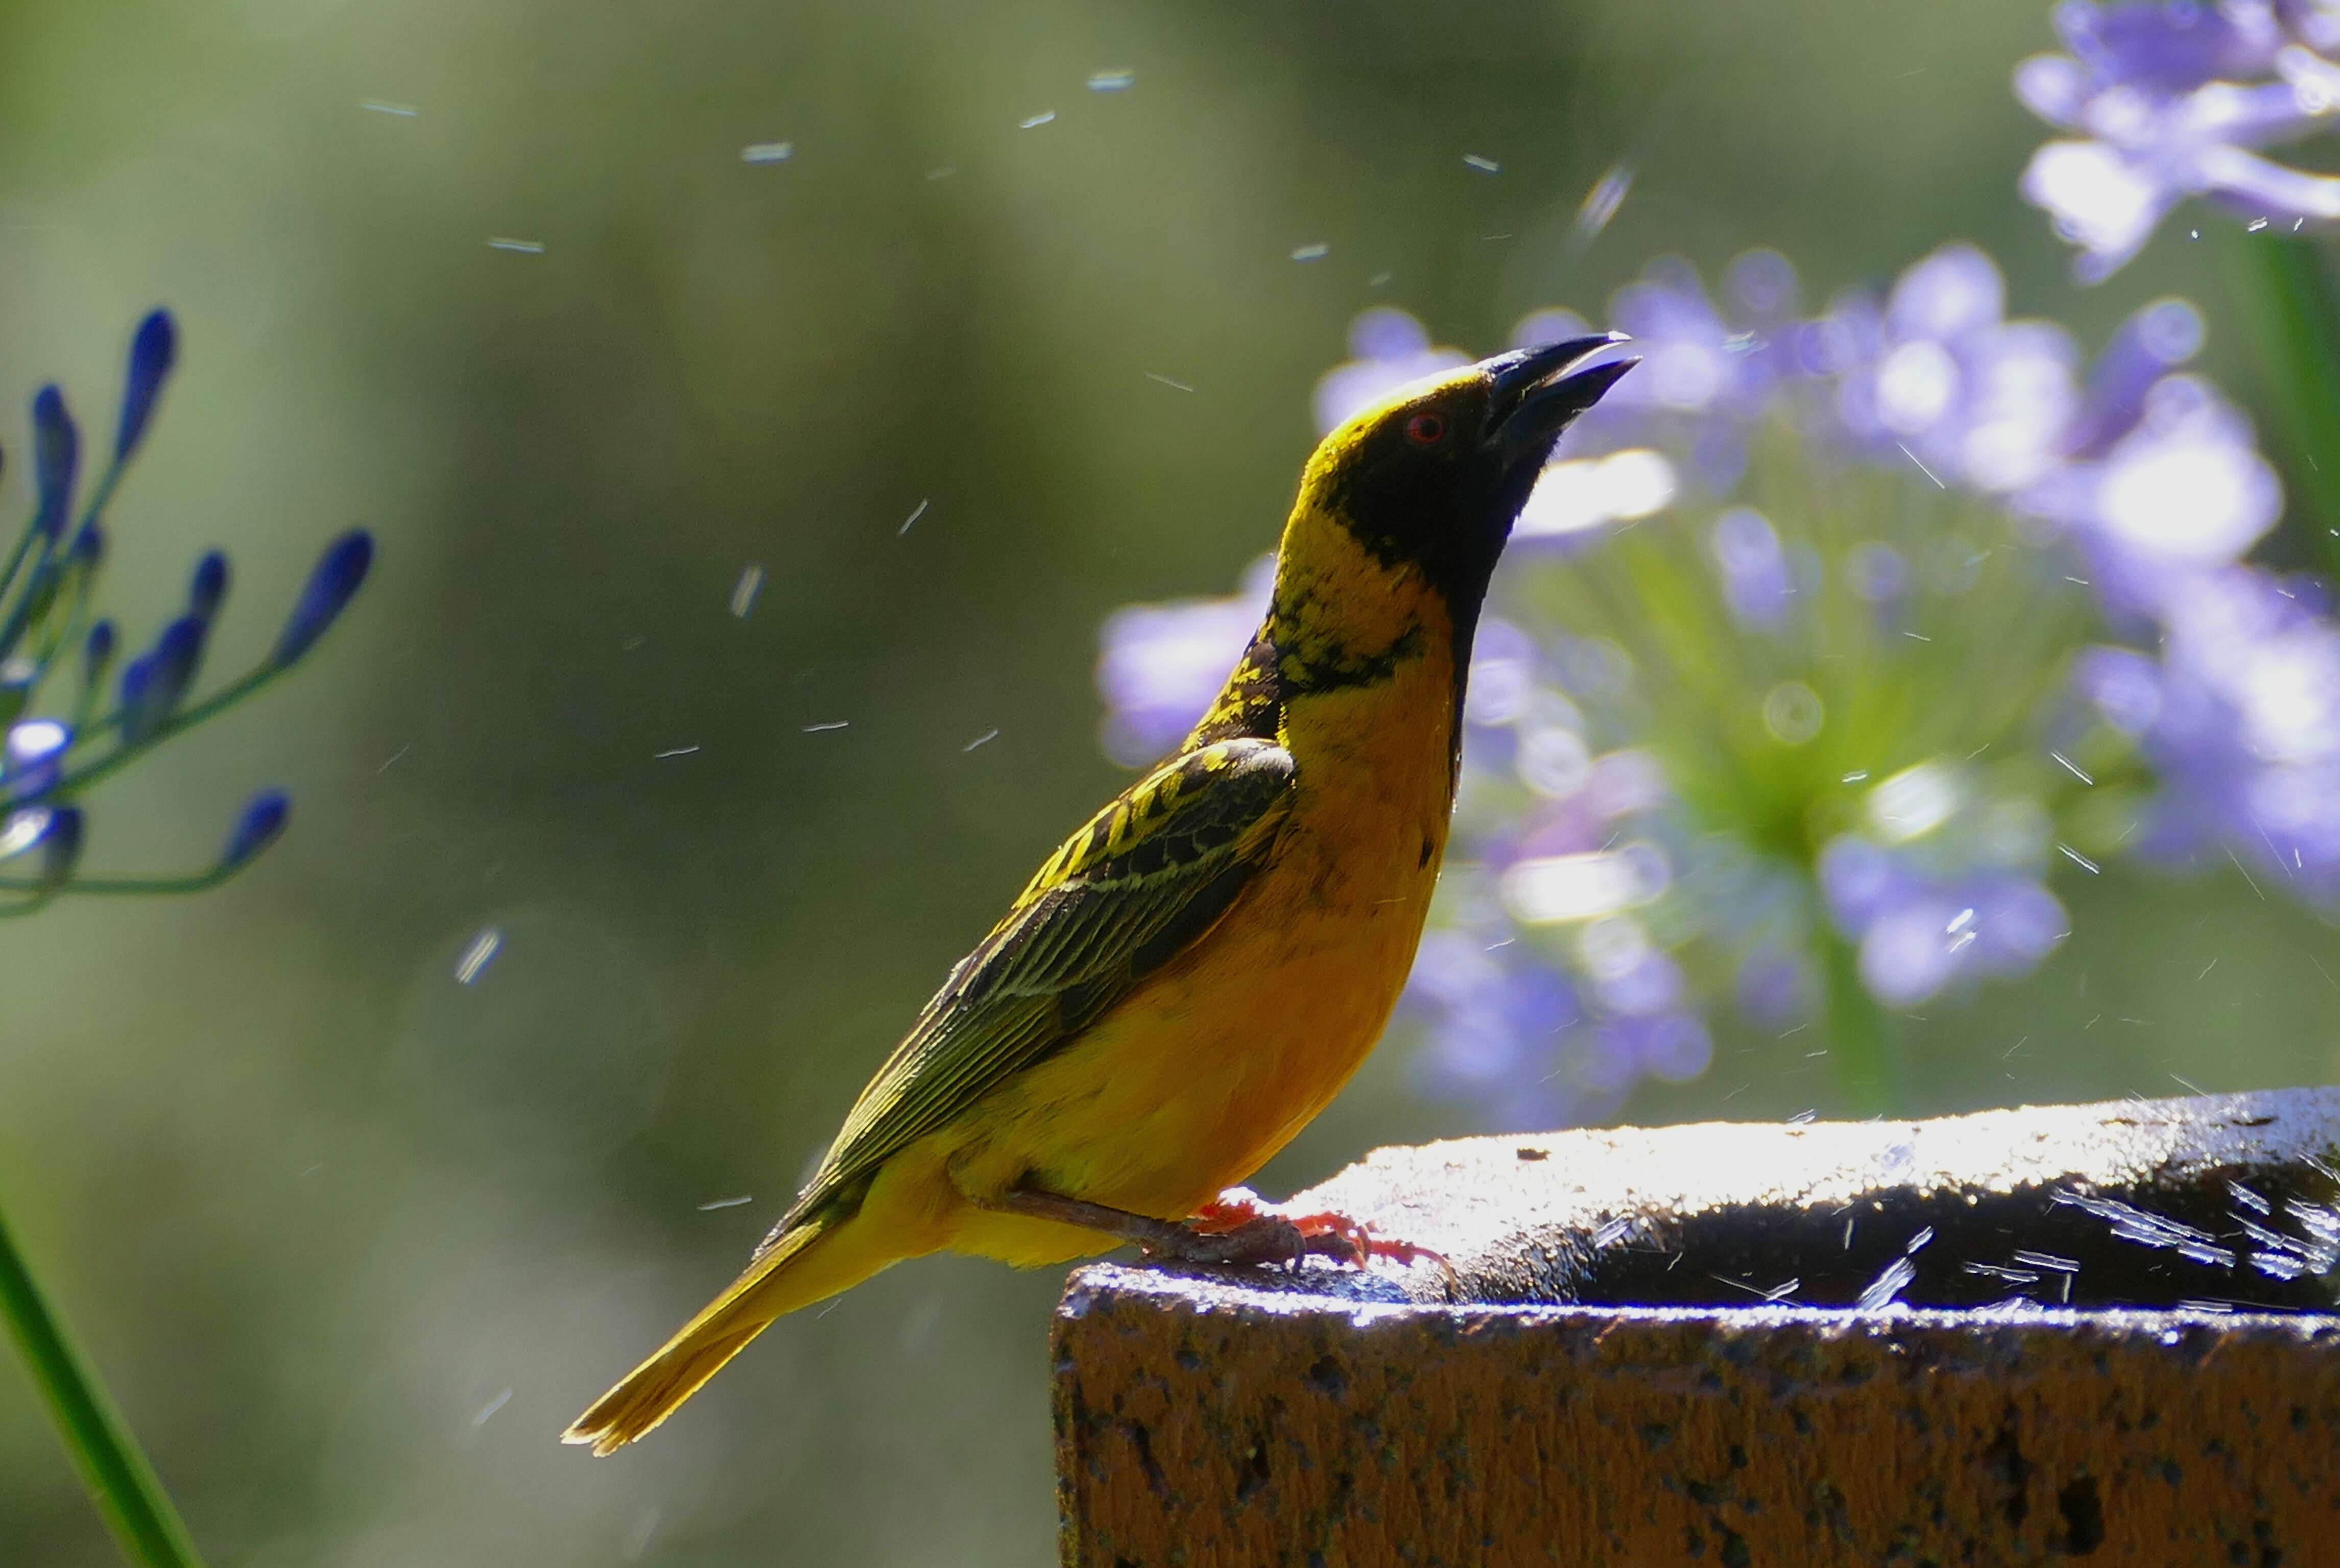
(153, 683)
(339, 572)
(139, 714)
(178, 653)
(61, 846)
(98, 653)
(88, 546)
(153, 351)
(57, 831)
(23, 828)
(209, 587)
(262, 824)
(32, 757)
(57, 459)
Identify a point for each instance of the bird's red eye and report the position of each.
(1425, 429)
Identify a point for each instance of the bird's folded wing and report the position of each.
(1141, 882)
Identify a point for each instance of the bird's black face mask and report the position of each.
(1436, 479)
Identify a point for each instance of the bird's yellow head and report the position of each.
(1433, 476)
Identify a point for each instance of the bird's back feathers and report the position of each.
(1140, 882)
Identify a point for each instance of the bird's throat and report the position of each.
(1346, 642)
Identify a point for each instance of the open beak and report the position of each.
(1536, 393)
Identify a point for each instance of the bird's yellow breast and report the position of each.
(1213, 1064)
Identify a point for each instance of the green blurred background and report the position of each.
(351, 1241)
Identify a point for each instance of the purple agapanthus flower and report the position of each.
(2240, 716)
(1920, 931)
(1938, 377)
(1494, 1025)
(1600, 851)
(1539, 1038)
(2181, 494)
(57, 652)
(1757, 580)
(2170, 101)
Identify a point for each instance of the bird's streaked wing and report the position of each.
(1145, 878)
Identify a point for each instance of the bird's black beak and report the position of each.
(1535, 394)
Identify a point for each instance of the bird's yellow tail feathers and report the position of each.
(800, 1269)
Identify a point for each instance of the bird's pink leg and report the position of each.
(1238, 1227)
(1325, 1234)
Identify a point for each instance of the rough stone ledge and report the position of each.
(1730, 1211)
(1330, 1416)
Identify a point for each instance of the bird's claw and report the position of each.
(1239, 1227)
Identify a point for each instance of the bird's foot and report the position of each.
(1239, 1227)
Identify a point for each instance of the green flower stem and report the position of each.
(141, 886)
(145, 1525)
(1860, 1034)
(2288, 291)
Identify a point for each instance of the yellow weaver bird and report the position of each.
(1191, 978)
